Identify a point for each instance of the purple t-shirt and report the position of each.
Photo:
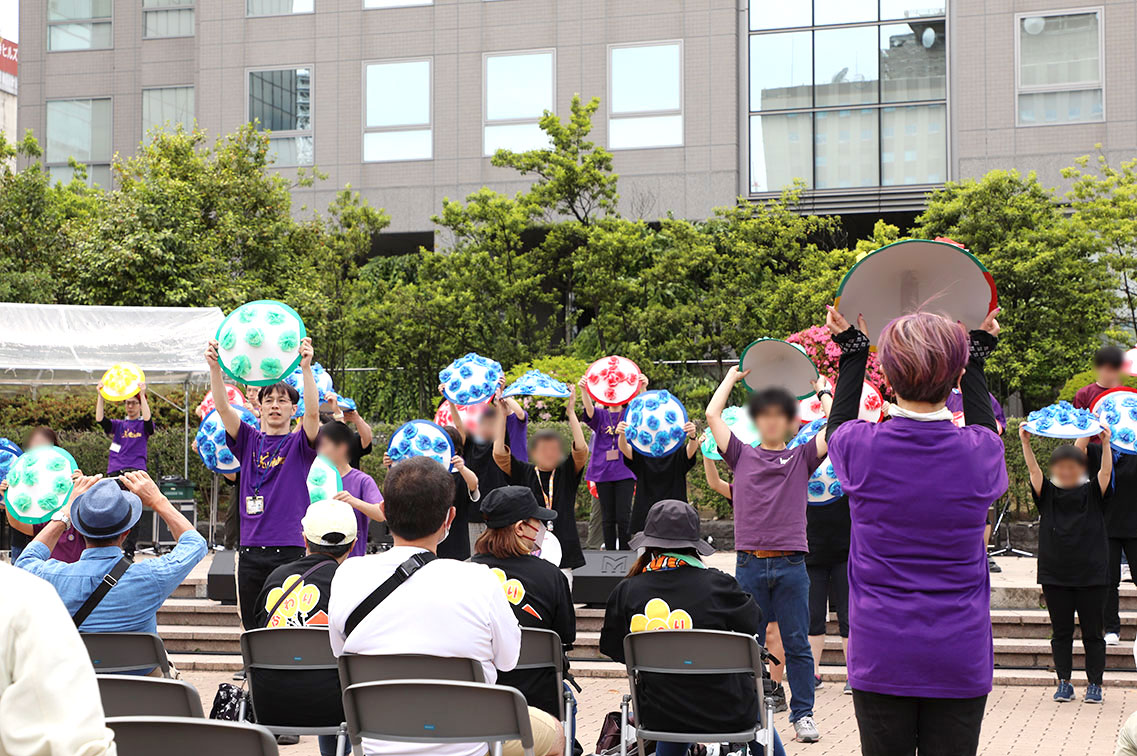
(128, 445)
(919, 590)
(70, 545)
(275, 467)
(517, 431)
(769, 495)
(362, 486)
(605, 461)
(955, 404)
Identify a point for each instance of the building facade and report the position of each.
(870, 103)
(9, 89)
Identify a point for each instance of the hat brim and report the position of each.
(135, 514)
(544, 514)
(641, 540)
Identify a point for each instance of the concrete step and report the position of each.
(188, 662)
(191, 587)
(197, 611)
(201, 638)
(1029, 596)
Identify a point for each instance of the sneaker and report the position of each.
(287, 739)
(992, 565)
(1065, 692)
(817, 682)
(779, 697)
(1126, 573)
(805, 731)
(1093, 694)
(848, 689)
(1112, 639)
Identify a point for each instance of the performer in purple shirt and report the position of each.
(615, 483)
(920, 649)
(128, 449)
(359, 488)
(275, 460)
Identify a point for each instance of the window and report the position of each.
(280, 101)
(79, 24)
(167, 108)
(1059, 68)
(645, 96)
(397, 111)
(831, 84)
(79, 129)
(518, 90)
(278, 7)
(394, 3)
(167, 18)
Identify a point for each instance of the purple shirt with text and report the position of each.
(605, 460)
(129, 437)
(275, 467)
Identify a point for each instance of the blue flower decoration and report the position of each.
(225, 457)
(816, 488)
(645, 438)
(653, 422)
(423, 443)
(662, 438)
(444, 376)
(671, 416)
(463, 397)
(219, 437)
(466, 371)
(657, 449)
(440, 446)
(1133, 414)
(635, 418)
(835, 488)
(410, 431)
(1129, 401)
(404, 446)
(1112, 417)
(1125, 436)
(676, 433)
(830, 471)
(651, 405)
(455, 385)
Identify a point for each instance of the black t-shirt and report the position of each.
(657, 478)
(478, 456)
(303, 699)
(1121, 514)
(358, 451)
(564, 482)
(1072, 545)
(457, 544)
(714, 601)
(547, 604)
(827, 531)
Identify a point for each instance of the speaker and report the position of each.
(221, 583)
(602, 570)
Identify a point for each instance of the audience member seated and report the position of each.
(536, 589)
(669, 588)
(296, 595)
(103, 512)
(49, 700)
(449, 608)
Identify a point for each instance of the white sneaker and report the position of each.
(806, 731)
(1126, 573)
(1111, 639)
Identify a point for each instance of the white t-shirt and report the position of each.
(447, 608)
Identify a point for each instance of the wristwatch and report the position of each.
(824, 392)
(62, 517)
(338, 416)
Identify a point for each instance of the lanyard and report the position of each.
(262, 472)
(548, 495)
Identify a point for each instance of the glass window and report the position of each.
(781, 150)
(397, 122)
(79, 129)
(281, 101)
(79, 24)
(915, 134)
(781, 71)
(394, 3)
(778, 14)
(910, 9)
(167, 18)
(167, 108)
(845, 150)
(843, 11)
(278, 7)
(913, 62)
(646, 96)
(845, 64)
(518, 90)
(1060, 69)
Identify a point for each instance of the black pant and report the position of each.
(616, 507)
(1112, 601)
(254, 564)
(1089, 603)
(828, 589)
(904, 725)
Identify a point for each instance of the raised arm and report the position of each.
(621, 439)
(851, 372)
(586, 398)
(825, 396)
(719, 429)
(229, 417)
(455, 416)
(501, 454)
(311, 420)
(468, 475)
(143, 486)
(714, 480)
(1032, 462)
(1105, 473)
(973, 384)
(100, 408)
(578, 441)
(692, 432)
(143, 401)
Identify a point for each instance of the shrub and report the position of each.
(1085, 378)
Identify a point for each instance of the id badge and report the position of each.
(612, 455)
(116, 447)
(254, 505)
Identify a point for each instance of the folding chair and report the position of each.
(115, 653)
(542, 649)
(360, 668)
(694, 652)
(292, 649)
(436, 711)
(181, 736)
(135, 696)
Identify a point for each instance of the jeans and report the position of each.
(828, 590)
(328, 745)
(681, 749)
(1061, 603)
(904, 725)
(616, 508)
(1116, 547)
(780, 586)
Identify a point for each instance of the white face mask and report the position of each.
(538, 536)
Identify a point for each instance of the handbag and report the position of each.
(227, 704)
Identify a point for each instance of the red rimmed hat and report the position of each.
(612, 381)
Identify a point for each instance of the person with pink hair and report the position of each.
(920, 654)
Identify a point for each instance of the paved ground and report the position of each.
(1019, 722)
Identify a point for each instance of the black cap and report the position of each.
(504, 506)
(671, 524)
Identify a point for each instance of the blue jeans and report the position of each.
(681, 749)
(780, 586)
(328, 745)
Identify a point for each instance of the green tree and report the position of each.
(1056, 290)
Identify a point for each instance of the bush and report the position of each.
(1085, 378)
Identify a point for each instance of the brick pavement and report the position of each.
(1020, 721)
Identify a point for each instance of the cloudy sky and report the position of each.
(9, 13)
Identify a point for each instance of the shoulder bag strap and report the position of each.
(380, 594)
(110, 580)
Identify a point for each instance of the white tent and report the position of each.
(70, 345)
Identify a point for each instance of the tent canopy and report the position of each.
(60, 345)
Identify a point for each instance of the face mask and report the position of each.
(538, 535)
